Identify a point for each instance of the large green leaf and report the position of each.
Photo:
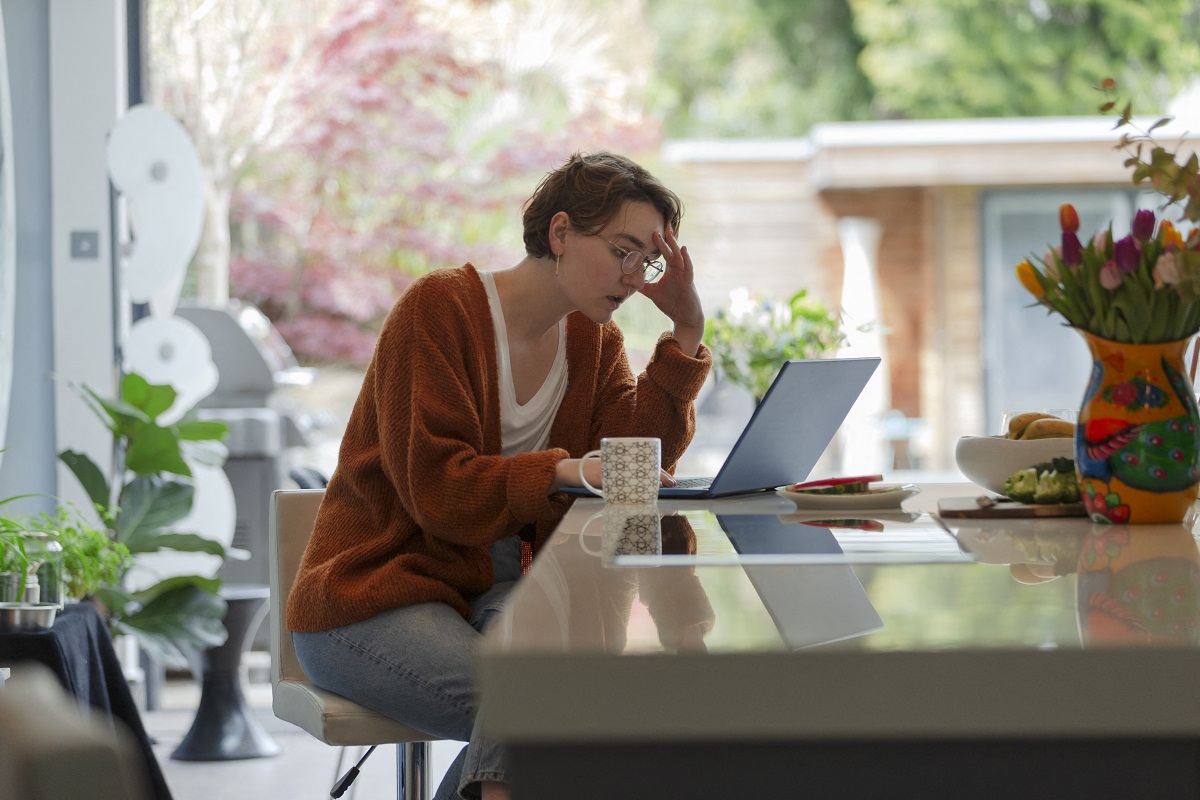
(200, 429)
(149, 504)
(147, 541)
(150, 593)
(123, 419)
(151, 398)
(89, 475)
(183, 616)
(155, 450)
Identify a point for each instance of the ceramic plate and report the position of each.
(881, 495)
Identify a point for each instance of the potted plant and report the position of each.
(90, 561)
(146, 490)
(753, 337)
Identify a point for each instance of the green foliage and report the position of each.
(91, 559)
(1171, 174)
(138, 501)
(751, 339)
(725, 68)
(980, 58)
(776, 67)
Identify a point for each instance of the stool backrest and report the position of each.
(292, 516)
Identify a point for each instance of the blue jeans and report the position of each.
(416, 665)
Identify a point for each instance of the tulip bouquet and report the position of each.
(1141, 288)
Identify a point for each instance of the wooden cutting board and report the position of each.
(969, 508)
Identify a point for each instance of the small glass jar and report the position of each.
(45, 556)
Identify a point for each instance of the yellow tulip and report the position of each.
(1029, 280)
(1172, 239)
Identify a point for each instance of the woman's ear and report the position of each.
(560, 226)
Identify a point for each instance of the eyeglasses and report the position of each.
(652, 269)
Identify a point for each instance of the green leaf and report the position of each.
(150, 398)
(149, 504)
(144, 596)
(115, 599)
(89, 476)
(155, 450)
(146, 541)
(183, 616)
(198, 429)
(123, 419)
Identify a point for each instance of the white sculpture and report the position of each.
(154, 165)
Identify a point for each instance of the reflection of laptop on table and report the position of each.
(810, 604)
(789, 430)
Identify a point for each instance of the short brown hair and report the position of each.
(591, 189)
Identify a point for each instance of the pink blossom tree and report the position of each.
(406, 140)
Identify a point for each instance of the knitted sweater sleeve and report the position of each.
(658, 402)
(439, 429)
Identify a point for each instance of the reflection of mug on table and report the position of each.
(629, 469)
(628, 531)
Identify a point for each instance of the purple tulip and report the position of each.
(1126, 254)
(1072, 249)
(1143, 225)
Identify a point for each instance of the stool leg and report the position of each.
(412, 771)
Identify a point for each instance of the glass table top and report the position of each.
(754, 575)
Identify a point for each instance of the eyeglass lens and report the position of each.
(636, 260)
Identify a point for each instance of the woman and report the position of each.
(484, 390)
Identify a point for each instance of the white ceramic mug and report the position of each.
(628, 531)
(629, 469)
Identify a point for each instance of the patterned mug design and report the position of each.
(629, 469)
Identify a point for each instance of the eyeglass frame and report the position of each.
(648, 264)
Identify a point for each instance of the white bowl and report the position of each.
(989, 460)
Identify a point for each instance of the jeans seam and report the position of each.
(398, 670)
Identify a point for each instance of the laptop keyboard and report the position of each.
(693, 483)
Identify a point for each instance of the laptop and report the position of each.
(789, 430)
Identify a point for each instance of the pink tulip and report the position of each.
(1110, 275)
(1166, 270)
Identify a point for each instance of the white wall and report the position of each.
(67, 82)
(87, 94)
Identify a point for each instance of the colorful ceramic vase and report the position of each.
(1137, 445)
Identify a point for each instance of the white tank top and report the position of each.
(525, 428)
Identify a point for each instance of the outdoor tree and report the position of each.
(776, 67)
(405, 138)
(227, 70)
(980, 58)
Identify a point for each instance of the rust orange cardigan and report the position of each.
(421, 492)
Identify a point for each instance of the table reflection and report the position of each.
(571, 601)
(1137, 585)
(1134, 584)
